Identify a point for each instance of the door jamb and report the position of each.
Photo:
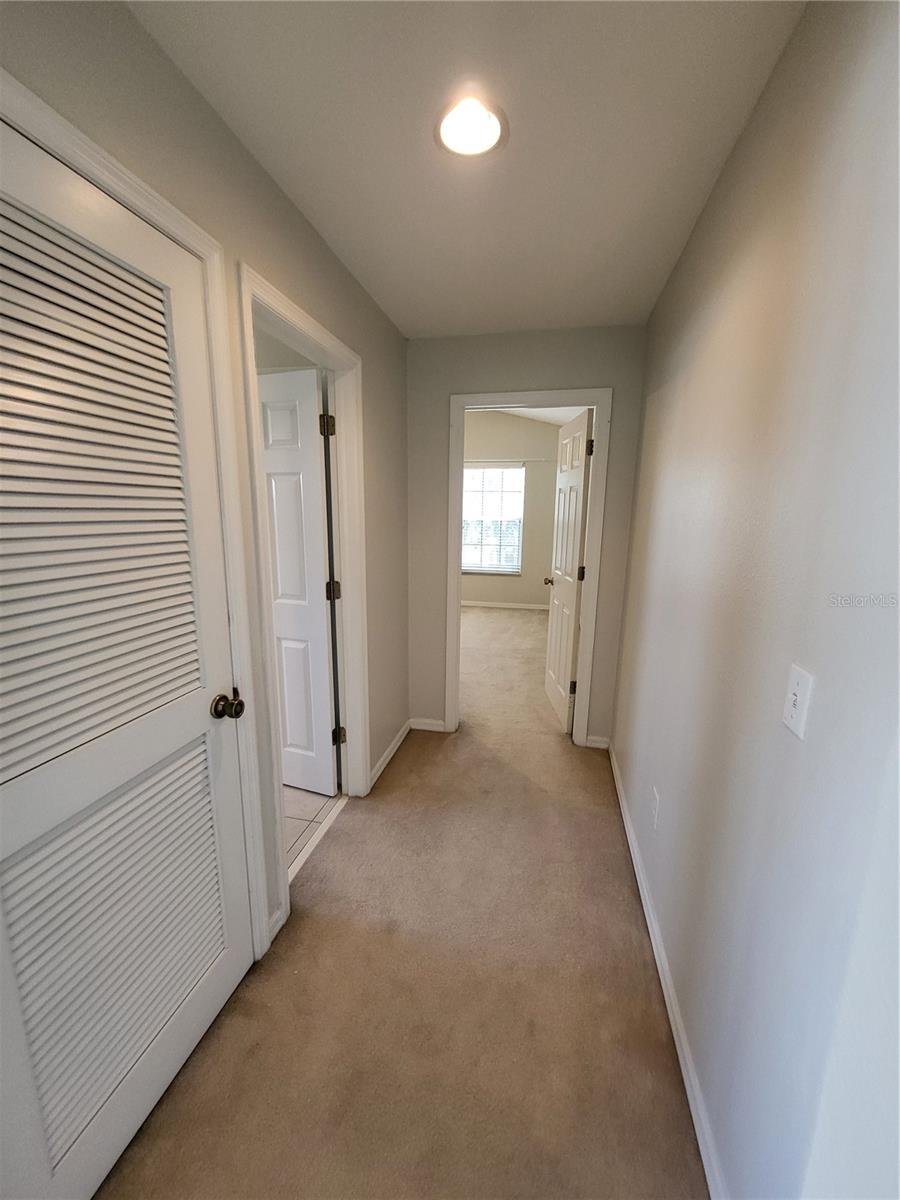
(32, 117)
(303, 333)
(600, 399)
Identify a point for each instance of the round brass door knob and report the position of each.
(227, 706)
(548, 579)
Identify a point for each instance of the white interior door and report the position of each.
(570, 522)
(125, 917)
(294, 467)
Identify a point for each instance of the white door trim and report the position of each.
(43, 125)
(304, 334)
(600, 399)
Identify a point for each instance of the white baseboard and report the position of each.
(715, 1179)
(388, 754)
(498, 604)
(597, 743)
(428, 724)
(316, 838)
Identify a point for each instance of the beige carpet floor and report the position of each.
(463, 1004)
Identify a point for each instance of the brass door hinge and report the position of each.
(590, 446)
(338, 735)
(572, 688)
(333, 589)
(580, 574)
(326, 424)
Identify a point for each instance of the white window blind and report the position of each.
(493, 507)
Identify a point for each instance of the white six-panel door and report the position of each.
(125, 918)
(570, 523)
(294, 467)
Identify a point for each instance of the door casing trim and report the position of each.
(600, 399)
(36, 120)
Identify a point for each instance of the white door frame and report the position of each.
(29, 114)
(600, 399)
(297, 329)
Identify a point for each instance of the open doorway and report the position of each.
(304, 432)
(300, 582)
(527, 485)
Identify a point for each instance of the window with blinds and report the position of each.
(493, 512)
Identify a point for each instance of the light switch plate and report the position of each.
(796, 702)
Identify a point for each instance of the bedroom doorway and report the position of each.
(527, 484)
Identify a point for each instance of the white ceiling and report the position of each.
(621, 116)
(552, 416)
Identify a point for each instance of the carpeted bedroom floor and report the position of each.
(463, 1004)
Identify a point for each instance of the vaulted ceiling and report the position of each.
(621, 116)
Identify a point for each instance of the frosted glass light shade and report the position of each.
(470, 128)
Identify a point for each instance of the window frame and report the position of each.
(491, 465)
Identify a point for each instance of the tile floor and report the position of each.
(303, 814)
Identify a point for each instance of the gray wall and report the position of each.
(568, 358)
(767, 485)
(96, 65)
(493, 436)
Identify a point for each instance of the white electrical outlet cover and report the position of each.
(796, 702)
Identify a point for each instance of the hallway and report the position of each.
(463, 1003)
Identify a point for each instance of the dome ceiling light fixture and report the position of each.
(471, 128)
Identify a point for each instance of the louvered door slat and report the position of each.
(131, 1022)
(46, 297)
(31, 439)
(46, 926)
(89, 349)
(47, 535)
(76, 255)
(55, 590)
(86, 1026)
(70, 621)
(73, 950)
(48, 934)
(29, 877)
(25, 298)
(107, 653)
(31, 723)
(138, 656)
(114, 601)
(129, 538)
(86, 560)
(99, 645)
(84, 563)
(37, 432)
(164, 990)
(24, 363)
(40, 388)
(123, 671)
(27, 253)
(67, 303)
(31, 730)
(72, 497)
(121, 711)
(72, 469)
(77, 414)
(94, 633)
(28, 342)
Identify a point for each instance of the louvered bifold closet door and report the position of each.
(98, 620)
(89, 1014)
(123, 882)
